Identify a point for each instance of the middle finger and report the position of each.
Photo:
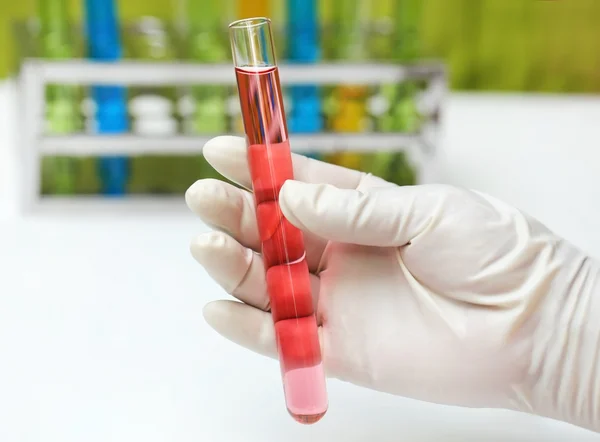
(230, 209)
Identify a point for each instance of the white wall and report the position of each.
(101, 336)
(540, 153)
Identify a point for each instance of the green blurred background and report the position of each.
(506, 45)
(488, 45)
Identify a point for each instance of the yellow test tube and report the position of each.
(253, 8)
(351, 116)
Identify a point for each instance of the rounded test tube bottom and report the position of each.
(306, 393)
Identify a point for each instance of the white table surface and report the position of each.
(101, 333)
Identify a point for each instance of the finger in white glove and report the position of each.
(226, 208)
(384, 217)
(253, 328)
(227, 154)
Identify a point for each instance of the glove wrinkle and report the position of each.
(422, 294)
(360, 209)
(253, 256)
(564, 373)
(322, 266)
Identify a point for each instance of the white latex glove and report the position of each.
(430, 292)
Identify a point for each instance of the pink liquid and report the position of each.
(283, 249)
(305, 402)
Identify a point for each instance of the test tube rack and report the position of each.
(36, 74)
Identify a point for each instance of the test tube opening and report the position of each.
(252, 43)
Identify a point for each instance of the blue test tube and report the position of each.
(104, 44)
(304, 47)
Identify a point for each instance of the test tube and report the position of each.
(104, 44)
(349, 101)
(62, 101)
(283, 251)
(304, 46)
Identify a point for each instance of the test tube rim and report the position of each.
(245, 23)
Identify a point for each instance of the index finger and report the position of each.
(227, 154)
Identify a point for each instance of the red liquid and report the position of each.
(283, 249)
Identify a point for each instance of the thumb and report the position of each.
(383, 217)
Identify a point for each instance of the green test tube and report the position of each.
(152, 109)
(407, 44)
(207, 44)
(394, 106)
(346, 105)
(405, 116)
(205, 108)
(62, 111)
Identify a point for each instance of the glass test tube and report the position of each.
(283, 249)
(304, 46)
(104, 44)
(62, 101)
(347, 103)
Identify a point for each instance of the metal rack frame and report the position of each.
(36, 74)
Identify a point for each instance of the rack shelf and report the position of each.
(142, 73)
(37, 74)
(90, 145)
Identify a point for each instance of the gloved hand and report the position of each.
(431, 292)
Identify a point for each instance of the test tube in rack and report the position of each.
(304, 47)
(104, 44)
(284, 255)
(62, 101)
